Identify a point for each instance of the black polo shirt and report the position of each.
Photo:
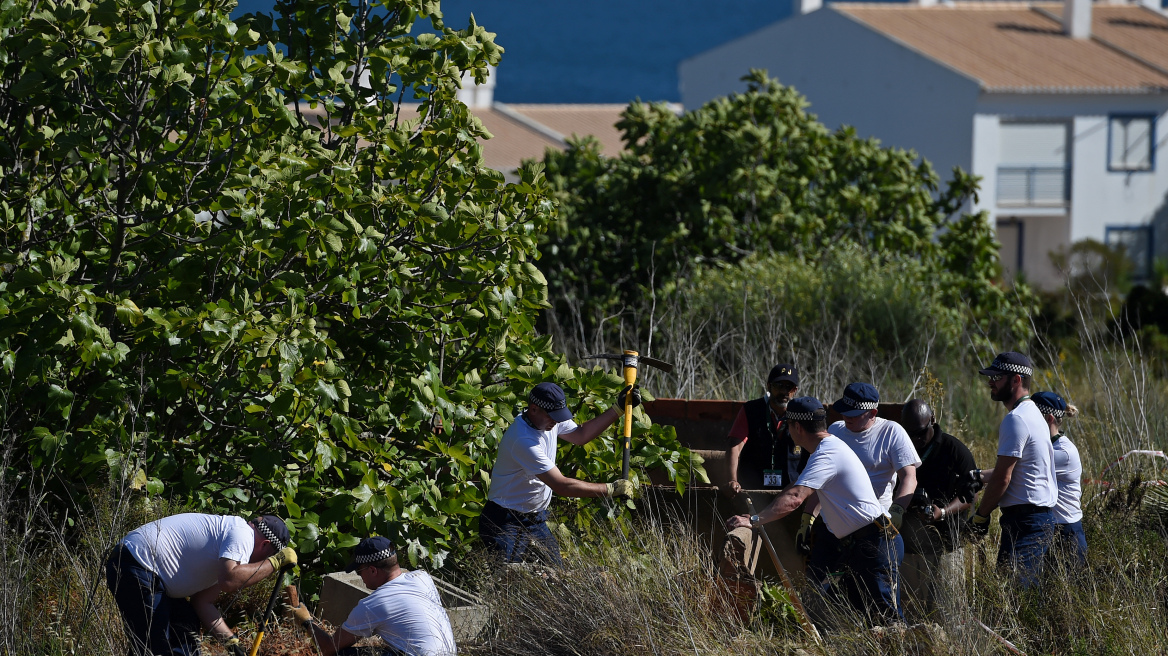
(944, 470)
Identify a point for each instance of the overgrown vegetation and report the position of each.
(234, 277)
(753, 172)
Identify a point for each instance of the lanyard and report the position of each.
(1056, 437)
(1019, 402)
(929, 450)
(771, 430)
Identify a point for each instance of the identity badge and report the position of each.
(772, 478)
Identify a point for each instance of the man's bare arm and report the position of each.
(783, 505)
(591, 429)
(906, 486)
(234, 575)
(571, 487)
(996, 487)
(203, 602)
(331, 644)
(732, 455)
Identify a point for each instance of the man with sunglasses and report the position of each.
(1023, 480)
(945, 493)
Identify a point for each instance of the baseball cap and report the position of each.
(782, 372)
(274, 529)
(371, 550)
(858, 398)
(550, 397)
(1009, 362)
(1049, 403)
(805, 408)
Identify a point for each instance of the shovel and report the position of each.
(804, 620)
(255, 646)
(630, 360)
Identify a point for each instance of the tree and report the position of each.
(237, 272)
(753, 172)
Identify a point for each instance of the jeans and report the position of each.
(868, 564)
(1026, 537)
(518, 537)
(1073, 540)
(154, 623)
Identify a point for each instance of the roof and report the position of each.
(596, 120)
(1021, 47)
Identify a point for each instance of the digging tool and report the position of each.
(790, 587)
(630, 361)
(255, 646)
(294, 601)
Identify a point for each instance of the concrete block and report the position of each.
(341, 591)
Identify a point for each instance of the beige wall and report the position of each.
(1039, 236)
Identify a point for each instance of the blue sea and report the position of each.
(600, 51)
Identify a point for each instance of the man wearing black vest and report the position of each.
(762, 456)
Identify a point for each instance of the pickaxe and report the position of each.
(630, 360)
(800, 612)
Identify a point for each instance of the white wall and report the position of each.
(851, 75)
(1099, 197)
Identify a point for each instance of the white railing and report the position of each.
(1034, 186)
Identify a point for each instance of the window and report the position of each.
(1136, 243)
(1132, 143)
(1033, 166)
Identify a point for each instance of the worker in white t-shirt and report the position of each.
(404, 609)
(165, 576)
(1068, 473)
(1022, 481)
(513, 523)
(870, 547)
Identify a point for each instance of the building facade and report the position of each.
(1059, 109)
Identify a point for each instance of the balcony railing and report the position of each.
(1034, 186)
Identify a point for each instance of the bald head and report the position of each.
(917, 419)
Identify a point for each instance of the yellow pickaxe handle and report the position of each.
(630, 372)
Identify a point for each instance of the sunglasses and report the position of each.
(995, 378)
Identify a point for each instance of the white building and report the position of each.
(1059, 115)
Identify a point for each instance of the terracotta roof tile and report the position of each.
(596, 120)
(1021, 47)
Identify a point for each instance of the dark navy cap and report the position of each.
(550, 397)
(371, 550)
(1049, 403)
(782, 372)
(1009, 363)
(858, 398)
(274, 529)
(805, 408)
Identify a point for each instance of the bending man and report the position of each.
(156, 567)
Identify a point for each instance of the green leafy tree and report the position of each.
(754, 172)
(238, 273)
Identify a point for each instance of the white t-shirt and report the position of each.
(1068, 472)
(846, 500)
(184, 550)
(1025, 435)
(408, 615)
(524, 454)
(884, 449)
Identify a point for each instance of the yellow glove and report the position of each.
(301, 614)
(979, 525)
(285, 556)
(897, 514)
(803, 537)
(623, 488)
(234, 647)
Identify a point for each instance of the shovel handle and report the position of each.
(804, 620)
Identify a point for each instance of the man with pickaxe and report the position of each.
(165, 577)
(513, 523)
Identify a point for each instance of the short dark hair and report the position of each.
(1025, 382)
(385, 563)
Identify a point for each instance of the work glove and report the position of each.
(285, 556)
(235, 647)
(897, 514)
(301, 614)
(622, 488)
(635, 399)
(803, 537)
(979, 526)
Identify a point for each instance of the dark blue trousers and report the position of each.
(1073, 540)
(867, 564)
(154, 623)
(518, 537)
(1027, 532)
